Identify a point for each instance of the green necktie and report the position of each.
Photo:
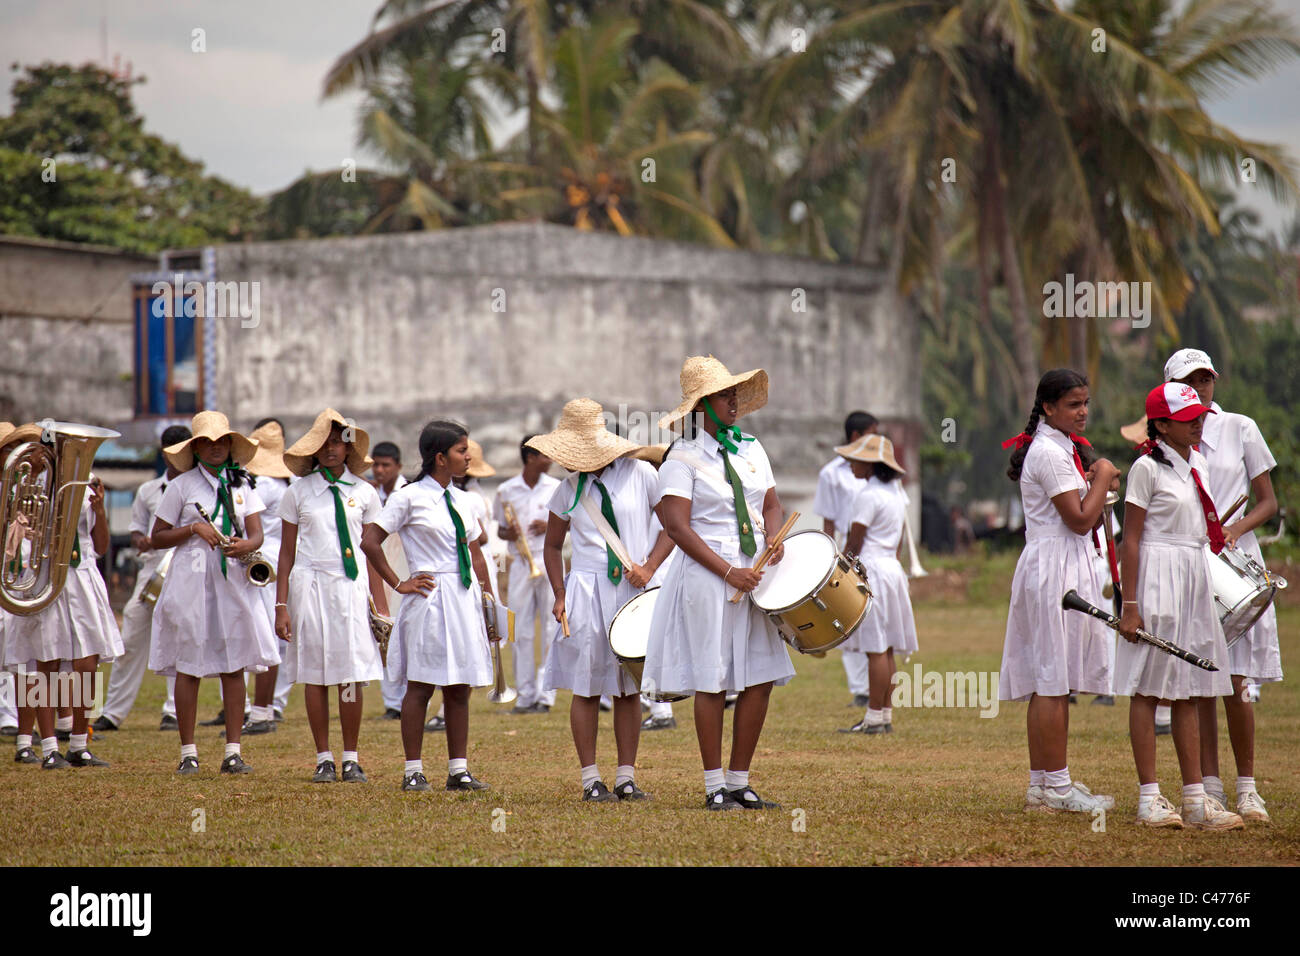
(727, 437)
(76, 551)
(607, 509)
(341, 522)
(224, 505)
(582, 483)
(462, 543)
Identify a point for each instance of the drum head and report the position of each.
(809, 557)
(629, 632)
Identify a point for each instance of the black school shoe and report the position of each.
(860, 701)
(721, 799)
(630, 791)
(1105, 700)
(84, 758)
(27, 755)
(325, 773)
(64, 735)
(188, 767)
(391, 714)
(8, 730)
(598, 793)
(102, 724)
(415, 781)
(168, 723)
(750, 800)
(55, 761)
(436, 725)
(465, 781)
(258, 727)
(235, 764)
(352, 772)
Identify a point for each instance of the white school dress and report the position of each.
(699, 640)
(206, 623)
(837, 488)
(329, 612)
(583, 662)
(1048, 650)
(439, 638)
(78, 623)
(889, 625)
(1236, 453)
(1174, 593)
(272, 491)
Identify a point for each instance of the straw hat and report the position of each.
(704, 375)
(871, 448)
(298, 458)
(651, 453)
(10, 435)
(1136, 433)
(269, 460)
(581, 442)
(478, 468)
(212, 426)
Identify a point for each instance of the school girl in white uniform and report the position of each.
(440, 638)
(1048, 651)
(717, 497)
(623, 490)
(210, 621)
(1168, 518)
(875, 529)
(15, 720)
(323, 583)
(387, 477)
(1239, 462)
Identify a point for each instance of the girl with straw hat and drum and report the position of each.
(210, 619)
(440, 638)
(875, 528)
(323, 584)
(717, 495)
(623, 490)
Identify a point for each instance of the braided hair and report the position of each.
(437, 438)
(1153, 436)
(1051, 388)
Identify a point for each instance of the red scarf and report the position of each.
(1096, 542)
(1212, 526)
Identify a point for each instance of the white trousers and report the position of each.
(530, 598)
(128, 670)
(855, 669)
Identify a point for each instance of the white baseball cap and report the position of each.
(1186, 361)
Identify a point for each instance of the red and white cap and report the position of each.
(1186, 361)
(1175, 400)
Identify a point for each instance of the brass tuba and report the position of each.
(42, 487)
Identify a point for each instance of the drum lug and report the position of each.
(862, 587)
(821, 605)
(838, 626)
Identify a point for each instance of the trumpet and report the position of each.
(521, 540)
(153, 587)
(501, 693)
(382, 629)
(257, 569)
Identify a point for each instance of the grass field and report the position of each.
(945, 788)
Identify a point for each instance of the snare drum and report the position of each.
(815, 596)
(629, 636)
(1243, 590)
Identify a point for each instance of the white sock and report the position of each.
(190, 750)
(324, 755)
(1036, 778)
(1147, 793)
(413, 766)
(24, 741)
(1058, 780)
(1244, 785)
(1213, 786)
(888, 714)
(350, 755)
(457, 766)
(737, 779)
(623, 774)
(261, 713)
(590, 774)
(49, 745)
(714, 780)
(1164, 714)
(63, 723)
(1194, 796)
(232, 749)
(875, 717)
(77, 742)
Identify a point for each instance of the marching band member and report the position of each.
(323, 583)
(440, 638)
(837, 488)
(623, 491)
(875, 529)
(137, 616)
(1048, 652)
(1168, 516)
(209, 620)
(15, 554)
(717, 497)
(1239, 461)
(528, 495)
(387, 477)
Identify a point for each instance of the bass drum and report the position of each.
(629, 637)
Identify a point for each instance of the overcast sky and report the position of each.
(250, 107)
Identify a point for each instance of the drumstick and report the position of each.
(769, 550)
(564, 624)
(1223, 518)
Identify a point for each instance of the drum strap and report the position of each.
(1096, 542)
(606, 531)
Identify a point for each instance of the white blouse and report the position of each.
(633, 488)
(529, 504)
(144, 507)
(198, 487)
(418, 513)
(1048, 470)
(693, 469)
(837, 487)
(879, 507)
(1235, 453)
(1168, 494)
(309, 504)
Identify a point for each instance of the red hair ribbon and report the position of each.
(1020, 441)
(1146, 447)
(1080, 440)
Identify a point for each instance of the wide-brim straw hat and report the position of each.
(1136, 433)
(651, 453)
(298, 457)
(269, 460)
(581, 441)
(871, 448)
(212, 426)
(14, 435)
(704, 375)
(478, 466)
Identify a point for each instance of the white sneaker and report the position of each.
(1077, 800)
(1104, 800)
(1212, 816)
(1159, 813)
(1250, 807)
(1034, 802)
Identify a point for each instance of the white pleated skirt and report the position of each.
(77, 624)
(332, 641)
(1176, 599)
(888, 624)
(701, 642)
(1256, 654)
(1048, 650)
(583, 662)
(440, 638)
(204, 624)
